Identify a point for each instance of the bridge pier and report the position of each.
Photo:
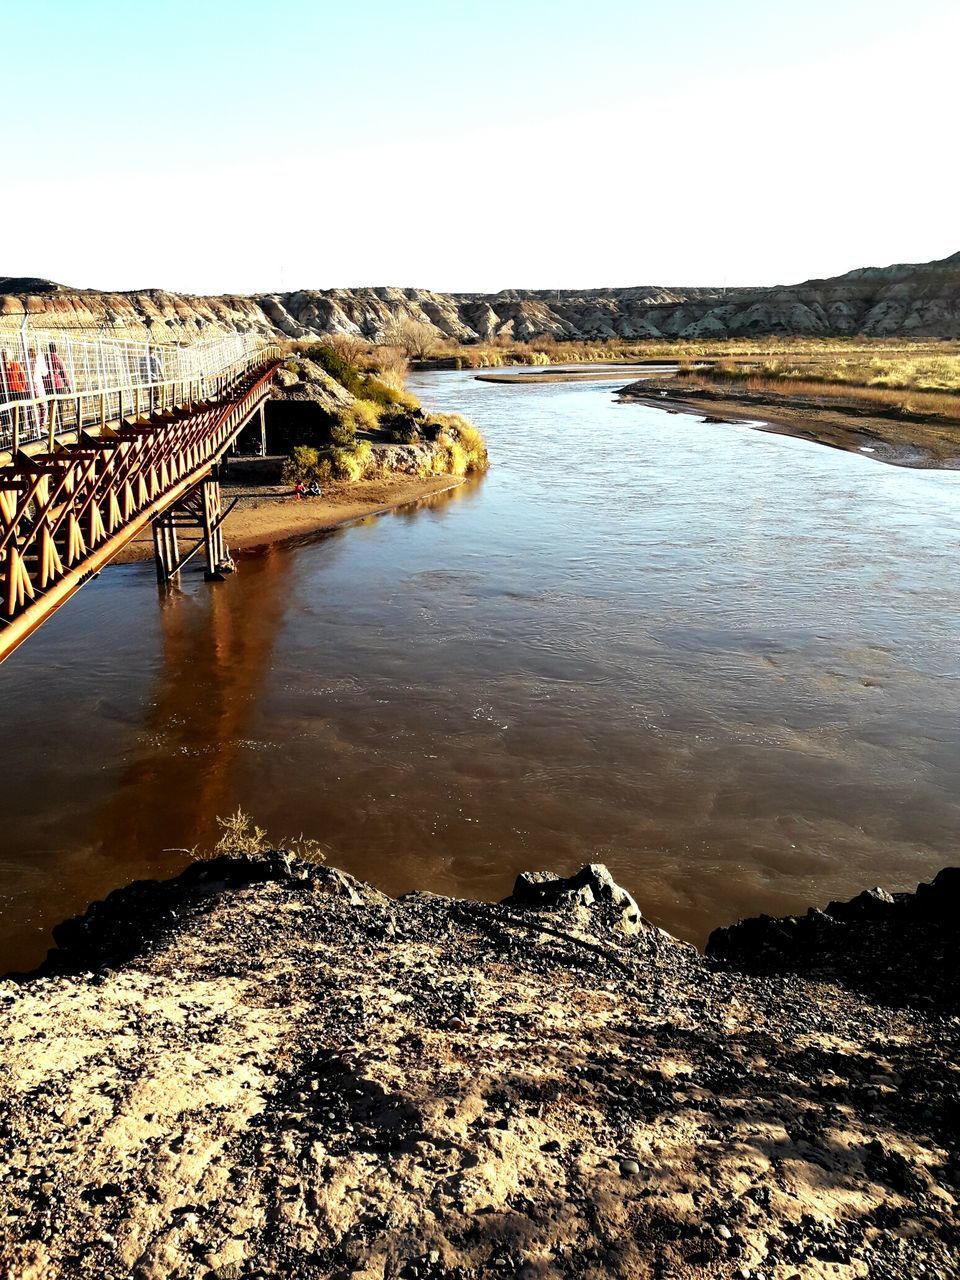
(200, 511)
(166, 549)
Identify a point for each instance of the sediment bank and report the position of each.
(895, 438)
(266, 1068)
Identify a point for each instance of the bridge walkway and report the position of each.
(66, 509)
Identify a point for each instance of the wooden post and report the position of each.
(263, 428)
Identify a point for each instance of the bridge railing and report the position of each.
(53, 384)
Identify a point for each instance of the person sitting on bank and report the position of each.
(299, 490)
(313, 489)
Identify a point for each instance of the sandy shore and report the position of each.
(266, 514)
(900, 441)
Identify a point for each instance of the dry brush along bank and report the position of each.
(266, 1068)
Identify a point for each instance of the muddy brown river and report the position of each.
(721, 661)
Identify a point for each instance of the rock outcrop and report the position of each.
(903, 948)
(265, 1068)
(904, 301)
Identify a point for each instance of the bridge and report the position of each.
(101, 437)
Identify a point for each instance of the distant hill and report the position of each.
(920, 300)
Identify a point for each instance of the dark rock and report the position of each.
(901, 948)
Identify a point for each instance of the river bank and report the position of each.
(267, 1068)
(888, 437)
(269, 514)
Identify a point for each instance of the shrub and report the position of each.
(351, 463)
(366, 415)
(301, 465)
(378, 392)
(362, 415)
(390, 365)
(461, 448)
(343, 429)
(338, 366)
(241, 835)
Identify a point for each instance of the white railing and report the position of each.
(52, 384)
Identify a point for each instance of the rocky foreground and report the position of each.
(908, 300)
(265, 1068)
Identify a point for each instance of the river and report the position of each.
(722, 661)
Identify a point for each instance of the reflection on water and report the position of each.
(721, 661)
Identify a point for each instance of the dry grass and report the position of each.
(240, 834)
(904, 381)
(924, 365)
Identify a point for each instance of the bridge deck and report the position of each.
(65, 513)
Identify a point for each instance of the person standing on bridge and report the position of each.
(151, 372)
(37, 370)
(56, 381)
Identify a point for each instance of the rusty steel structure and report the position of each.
(66, 512)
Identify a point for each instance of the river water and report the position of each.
(722, 661)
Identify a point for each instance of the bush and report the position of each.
(461, 448)
(351, 463)
(338, 366)
(362, 415)
(301, 465)
(343, 429)
(379, 393)
(365, 414)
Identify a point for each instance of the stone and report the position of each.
(590, 885)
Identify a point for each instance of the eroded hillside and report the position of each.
(913, 300)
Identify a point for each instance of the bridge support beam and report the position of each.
(166, 548)
(199, 511)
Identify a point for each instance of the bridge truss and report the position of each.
(66, 511)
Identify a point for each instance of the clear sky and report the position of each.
(211, 147)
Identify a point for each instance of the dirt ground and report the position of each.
(271, 513)
(267, 1069)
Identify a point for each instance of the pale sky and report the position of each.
(215, 147)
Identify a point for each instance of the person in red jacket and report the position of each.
(13, 387)
(14, 378)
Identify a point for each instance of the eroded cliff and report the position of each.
(910, 300)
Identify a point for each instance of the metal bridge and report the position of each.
(100, 437)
